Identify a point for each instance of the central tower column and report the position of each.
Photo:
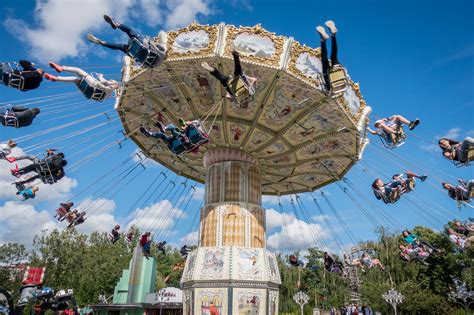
(231, 271)
(232, 215)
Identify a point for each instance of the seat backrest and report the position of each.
(16, 81)
(177, 146)
(239, 88)
(394, 196)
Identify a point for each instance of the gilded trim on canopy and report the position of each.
(209, 50)
(278, 42)
(296, 50)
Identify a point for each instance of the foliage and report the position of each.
(91, 266)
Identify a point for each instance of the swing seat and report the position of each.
(78, 219)
(393, 140)
(147, 56)
(470, 158)
(338, 81)
(112, 238)
(90, 92)
(177, 146)
(11, 79)
(10, 119)
(240, 89)
(61, 212)
(44, 171)
(195, 135)
(393, 197)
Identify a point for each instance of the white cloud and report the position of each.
(183, 12)
(275, 218)
(61, 25)
(296, 235)
(99, 215)
(19, 222)
(189, 239)
(320, 218)
(453, 133)
(159, 216)
(274, 200)
(199, 193)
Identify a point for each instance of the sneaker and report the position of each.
(111, 21)
(10, 159)
(95, 40)
(413, 124)
(331, 26)
(15, 171)
(50, 77)
(160, 126)
(206, 66)
(322, 33)
(56, 67)
(145, 132)
(423, 177)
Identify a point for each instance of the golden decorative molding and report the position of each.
(278, 42)
(296, 50)
(211, 31)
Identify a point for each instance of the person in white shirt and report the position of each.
(6, 149)
(98, 82)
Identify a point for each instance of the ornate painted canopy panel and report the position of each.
(302, 138)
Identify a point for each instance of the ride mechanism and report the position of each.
(291, 136)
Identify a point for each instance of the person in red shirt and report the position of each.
(145, 242)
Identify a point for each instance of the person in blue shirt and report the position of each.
(27, 192)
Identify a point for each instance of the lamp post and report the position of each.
(302, 299)
(394, 298)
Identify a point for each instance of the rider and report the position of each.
(416, 252)
(382, 190)
(6, 149)
(27, 192)
(294, 261)
(79, 218)
(115, 234)
(459, 240)
(55, 161)
(391, 124)
(19, 116)
(370, 262)
(463, 229)
(324, 52)
(158, 49)
(461, 192)
(175, 133)
(106, 86)
(145, 242)
(238, 72)
(453, 150)
(161, 246)
(63, 210)
(32, 77)
(184, 251)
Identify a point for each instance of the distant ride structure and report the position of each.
(290, 136)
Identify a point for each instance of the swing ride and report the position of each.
(286, 135)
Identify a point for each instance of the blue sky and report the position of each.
(414, 58)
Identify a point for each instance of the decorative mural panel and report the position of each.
(250, 264)
(249, 302)
(213, 264)
(210, 301)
